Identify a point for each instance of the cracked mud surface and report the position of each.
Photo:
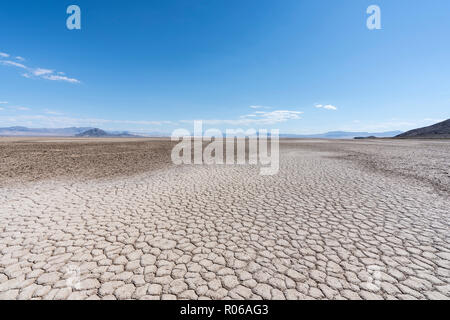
(323, 228)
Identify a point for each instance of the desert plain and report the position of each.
(115, 219)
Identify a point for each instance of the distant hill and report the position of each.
(99, 133)
(93, 133)
(343, 135)
(42, 132)
(96, 132)
(369, 137)
(436, 131)
(18, 131)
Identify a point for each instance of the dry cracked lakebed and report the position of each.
(114, 219)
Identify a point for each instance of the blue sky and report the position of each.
(299, 66)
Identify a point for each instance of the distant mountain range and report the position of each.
(99, 133)
(436, 131)
(343, 135)
(60, 132)
(96, 132)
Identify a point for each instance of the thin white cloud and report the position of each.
(4, 55)
(55, 121)
(3, 102)
(20, 58)
(327, 107)
(61, 78)
(56, 113)
(13, 64)
(19, 108)
(260, 107)
(256, 118)
(275, 116)
(41, 73)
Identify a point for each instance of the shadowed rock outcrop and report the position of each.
(438, 130)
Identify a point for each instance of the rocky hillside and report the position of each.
(436, 131)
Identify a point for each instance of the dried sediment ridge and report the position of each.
(323, 228)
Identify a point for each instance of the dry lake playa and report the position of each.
(342, 219)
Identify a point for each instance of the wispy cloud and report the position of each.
(256, 118)
(55, 121)
(327, 107)
(260, 107)
(40, 73)
(60, 78)
(13, 64)
(19, 108)
(3, 102)
(4, 55)
(15, 108)
(52, 112)
(273, 116)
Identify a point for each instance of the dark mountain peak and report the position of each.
(96, 132)
(18, 128)
(99, 133)
(438, 130)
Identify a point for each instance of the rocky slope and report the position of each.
(436, 131)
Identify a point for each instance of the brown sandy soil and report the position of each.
(341, 220)
(34, 159)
